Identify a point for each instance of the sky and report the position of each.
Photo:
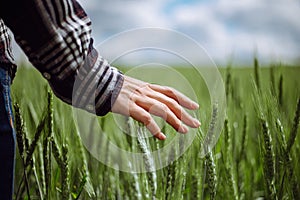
(230, 31)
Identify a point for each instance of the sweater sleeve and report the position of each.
(56, 37)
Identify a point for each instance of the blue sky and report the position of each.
(227, 29)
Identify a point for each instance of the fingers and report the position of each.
(176, 109)
(143, 116)
(162, 110)
(141, 100)
(177, 96)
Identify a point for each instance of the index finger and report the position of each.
(177, 96)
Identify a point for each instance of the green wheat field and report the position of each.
(256, 156)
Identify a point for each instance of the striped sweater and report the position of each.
(56, 37)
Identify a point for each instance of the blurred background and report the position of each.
(257, 153)
(230, 31)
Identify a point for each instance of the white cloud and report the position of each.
(223, 27)
(243, 27)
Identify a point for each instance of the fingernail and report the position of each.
(196, 122)
(183, 129)
(195, 105)
(162, 136)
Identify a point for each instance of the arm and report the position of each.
(57, 40)
(56, 37)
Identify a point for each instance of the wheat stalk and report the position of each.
(34, 143)
(228, 159)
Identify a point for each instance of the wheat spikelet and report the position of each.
(56, 153)
(62, 161)
(171, 175)
(148, 160)
(128, 131)
(294, 129)
(21, 140)
(291, 177)
(50, 113)
(183, 185)
(228, 82)
(209, 160)
(47, 145)
(194, 185)
(211, 175)
(241, 156)
(211, 129)
(244, 137)
(269, 155)
(288, 167)
(41, 166)
(228, 159)
(272, 80)
(269, 162)
(227, 142)
(20, 130)
(256, 73)
(280, 90)
(65, 173)
(47, 165)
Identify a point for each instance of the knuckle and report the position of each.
(147, 89)
(147, 85)
(172, 93)
(174, 104)
(138, 90)
(178, 109)
(164, 108)
(169, 90)
(143, 89)
(133, 97)
(146, 118)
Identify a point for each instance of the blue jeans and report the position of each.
(7, 137)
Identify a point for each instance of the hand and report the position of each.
(139, 100)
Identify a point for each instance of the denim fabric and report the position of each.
(7, 137)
